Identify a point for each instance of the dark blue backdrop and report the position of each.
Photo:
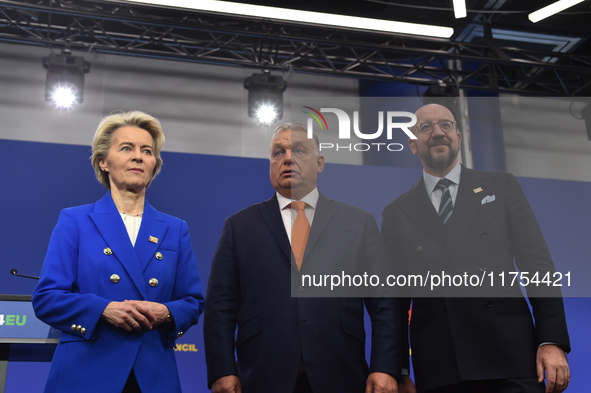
(39, 179)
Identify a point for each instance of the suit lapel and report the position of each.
(272, 217)
(466, 207)
(153, 227)
(109, 224)
(325, 210)
(419, 208)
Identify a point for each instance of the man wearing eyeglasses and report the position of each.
(458, 220)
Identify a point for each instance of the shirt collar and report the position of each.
(311, 199)
(431, 181)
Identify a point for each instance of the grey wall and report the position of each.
(203, 110)
(544, 139)
(202, 107)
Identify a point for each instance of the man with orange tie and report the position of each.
(287, 342)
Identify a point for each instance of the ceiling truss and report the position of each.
(123, 28)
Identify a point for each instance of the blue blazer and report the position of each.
(90, 245)
(249, 292)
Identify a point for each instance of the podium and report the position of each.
(23, 337)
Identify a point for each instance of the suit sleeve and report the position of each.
(395, 255)
(532, 255)
(187, 299)
(221, 309)
(56, 300)
(383, 311)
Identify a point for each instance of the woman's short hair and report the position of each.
(103, 139)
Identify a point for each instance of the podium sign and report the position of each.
(23, 337)
(18, 323)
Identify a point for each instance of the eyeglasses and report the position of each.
(426, 127)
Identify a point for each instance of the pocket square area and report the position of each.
(487, 199)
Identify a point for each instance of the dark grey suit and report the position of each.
(491, 335)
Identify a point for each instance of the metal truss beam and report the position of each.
(125, 28)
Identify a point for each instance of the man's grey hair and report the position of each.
(298, 127)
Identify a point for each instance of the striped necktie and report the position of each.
(446, 207)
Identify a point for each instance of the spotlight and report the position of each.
(265, 96)
(266, 114)
(64, 85)
(63, 97)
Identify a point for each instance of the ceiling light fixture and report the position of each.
(460, 9)
(64, 84)
(552, 9)
(306, 17)
(265, 96)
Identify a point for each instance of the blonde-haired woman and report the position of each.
(120, 278)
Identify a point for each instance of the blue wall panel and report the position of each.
(39, 179)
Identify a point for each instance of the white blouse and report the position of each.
(132, 224)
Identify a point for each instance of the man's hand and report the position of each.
(406, 385)
(227, 384)
(381, 383)
(552, 359)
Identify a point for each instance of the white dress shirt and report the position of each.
(435, 193)
(289, 215)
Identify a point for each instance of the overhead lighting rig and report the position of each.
(265, 96)
(306, 17)
(64, 84)
(552, 9)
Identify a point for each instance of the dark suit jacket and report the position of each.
(489, 335)
(88, 245)
(249, 290)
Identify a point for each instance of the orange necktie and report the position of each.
(299, 233)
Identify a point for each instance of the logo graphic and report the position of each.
(392, 121)
(11, 320)
(316, 117)
(185, 348)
